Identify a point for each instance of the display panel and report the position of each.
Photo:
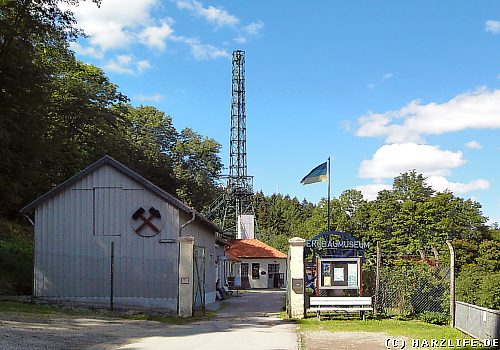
(339, 273)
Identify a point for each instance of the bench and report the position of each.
(346, 304)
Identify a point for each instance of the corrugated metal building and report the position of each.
(108, 215)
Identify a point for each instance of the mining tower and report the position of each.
(233, 211)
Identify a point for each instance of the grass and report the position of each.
(412, 329)
(26, 309)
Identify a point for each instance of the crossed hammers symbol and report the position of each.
(139, 213)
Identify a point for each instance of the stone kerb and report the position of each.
(295, 279)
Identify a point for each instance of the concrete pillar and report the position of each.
(185, 297)
(295, 285)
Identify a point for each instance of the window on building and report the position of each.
(244, 269)
(273, 268)
(255, 271)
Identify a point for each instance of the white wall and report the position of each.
(262, 281)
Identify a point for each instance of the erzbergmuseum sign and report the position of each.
(347, 244)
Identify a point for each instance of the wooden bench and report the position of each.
(345, 304)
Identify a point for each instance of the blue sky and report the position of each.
(382, 87)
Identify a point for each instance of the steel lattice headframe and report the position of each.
(238, 196)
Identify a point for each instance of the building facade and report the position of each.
(256, 265)
(109, 235)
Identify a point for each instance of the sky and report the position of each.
(381, 87)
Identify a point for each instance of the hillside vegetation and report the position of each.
(15, 258)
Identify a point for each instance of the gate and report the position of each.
(199, 279)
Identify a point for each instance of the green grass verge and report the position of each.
(26, 309)
(411, 329)
(31, 310)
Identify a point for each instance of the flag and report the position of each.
(318, 174)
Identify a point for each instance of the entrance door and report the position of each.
(273, 271)
(245, 282)
(199, 277)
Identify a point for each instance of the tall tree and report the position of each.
(197, 166)
(34, 36)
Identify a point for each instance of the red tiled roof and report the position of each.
(253, 248)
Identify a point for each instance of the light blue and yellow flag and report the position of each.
(318, 174)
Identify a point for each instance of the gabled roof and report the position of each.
(107, 160)
(253, 248)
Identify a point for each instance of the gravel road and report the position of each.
(245, 322)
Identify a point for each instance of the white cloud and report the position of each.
(115, 23)
(149, 98)
(478, 109)
(370, 86)
(473, 145)
(88, 51)
(203, 51)
(126, 64)
(492, 26)
(254, 28)
(391, 160)
(119, 24)
(215, 15)
(387, 76)
(240, 40)
(155, 36)
(439, 183)
(371, 191)
(143, 65)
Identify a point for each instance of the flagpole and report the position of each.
(328, 228)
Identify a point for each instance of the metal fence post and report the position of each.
(377, 278)
(452, 283)
(111, 277)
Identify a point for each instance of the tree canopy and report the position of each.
(408, 218)
(59, 114)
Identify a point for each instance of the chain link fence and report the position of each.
(409, 286)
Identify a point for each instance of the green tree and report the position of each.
(84, 120)
(197, 166)
(34, 39)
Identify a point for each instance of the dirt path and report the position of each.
(246, 322)
(323, 340)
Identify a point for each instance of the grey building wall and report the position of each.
(205, 237)
(73, 234)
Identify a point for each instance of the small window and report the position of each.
(244, 269)
(273, 268)
(255, 271)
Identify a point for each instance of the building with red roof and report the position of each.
(255, 264)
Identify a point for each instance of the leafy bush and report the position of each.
(409, 288)
(489, 251)
(434, 317)
(476, 285)
(15, 258)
